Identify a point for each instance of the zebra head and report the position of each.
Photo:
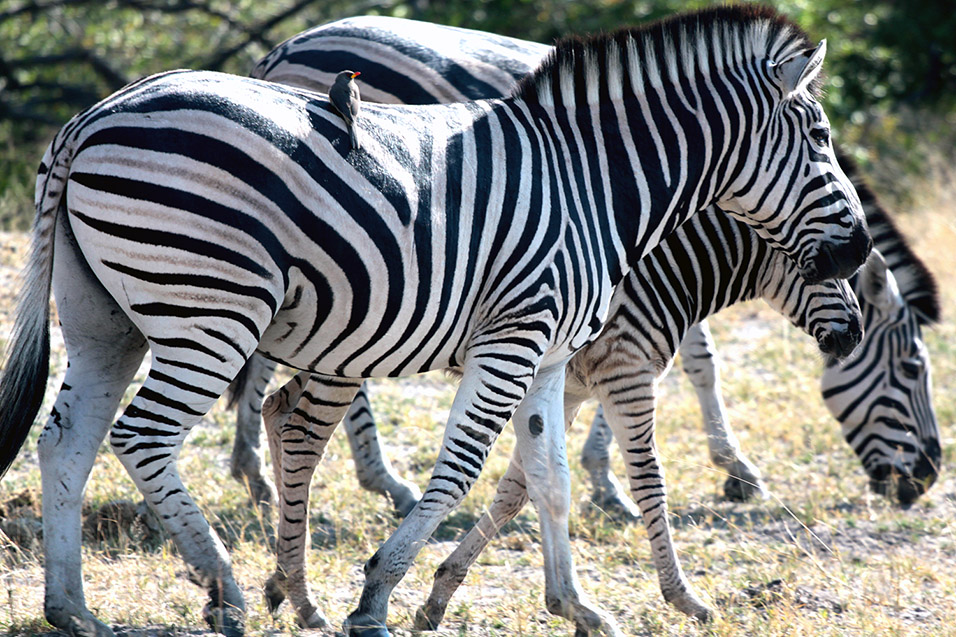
(827, 310)
(882, 398)
(790, 187)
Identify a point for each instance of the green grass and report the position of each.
(821, 556)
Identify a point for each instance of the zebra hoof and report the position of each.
(405, 498)
(692, 606)
(425, 620)
(274, 592)
(315, 619)
(228, 621)
(616, 507)
(737, 490)
(364, 626)
(81, 626)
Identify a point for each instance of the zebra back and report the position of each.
(441, 64)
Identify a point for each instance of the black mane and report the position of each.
(917, 285)
(568, 53)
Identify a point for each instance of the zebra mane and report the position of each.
(917, 285)
(703, 42)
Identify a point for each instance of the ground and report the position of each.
(821, 556)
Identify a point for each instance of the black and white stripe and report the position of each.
(212, 216)
(708, 263)
(415, 62)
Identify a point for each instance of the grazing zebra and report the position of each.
(708, 263)
(890, 425)
(204, 216)
(881, 398)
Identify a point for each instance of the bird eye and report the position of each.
(820, 136)
(911, 368)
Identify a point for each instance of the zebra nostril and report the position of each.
(838, 343)
(848, 340)
(908, 489)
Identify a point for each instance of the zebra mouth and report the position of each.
(840, 343)
(891, 483)
(838, 260)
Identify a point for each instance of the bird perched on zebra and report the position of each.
(489, 235)
(345, 97)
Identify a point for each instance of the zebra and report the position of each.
(708, 263)
(418, 63)
(881, 398)
(208, 216)
(286, 402)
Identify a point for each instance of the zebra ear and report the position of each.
(797, 71)
(878, 285)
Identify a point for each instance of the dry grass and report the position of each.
(821, 557)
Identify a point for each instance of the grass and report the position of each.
(821, 556)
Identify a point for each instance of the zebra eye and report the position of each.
(820, 136)
(911, 368)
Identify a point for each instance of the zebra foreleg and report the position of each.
(490, 389)
(300, 418)
(700, 361)
(148, 439)
(246, 463)
(374, 471)
(632, 420)
(543, 457)
(607, 494)
(510, 498)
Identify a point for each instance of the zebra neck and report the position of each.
(706, 265)
(626, 177)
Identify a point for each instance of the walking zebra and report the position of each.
(882, 399)
(708, 263)
(206, 216)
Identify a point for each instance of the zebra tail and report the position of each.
(26, 361)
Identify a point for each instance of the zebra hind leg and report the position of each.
(300, 418)
(246, 463)
(607, 495)
(374, 471)
(510, 498)
(104, 352)
(148, 439)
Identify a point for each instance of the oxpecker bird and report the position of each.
(345, 97)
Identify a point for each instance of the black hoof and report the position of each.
(229, 621)
(737, 490)
(423, 621)
(364, 626)
(274, 594)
